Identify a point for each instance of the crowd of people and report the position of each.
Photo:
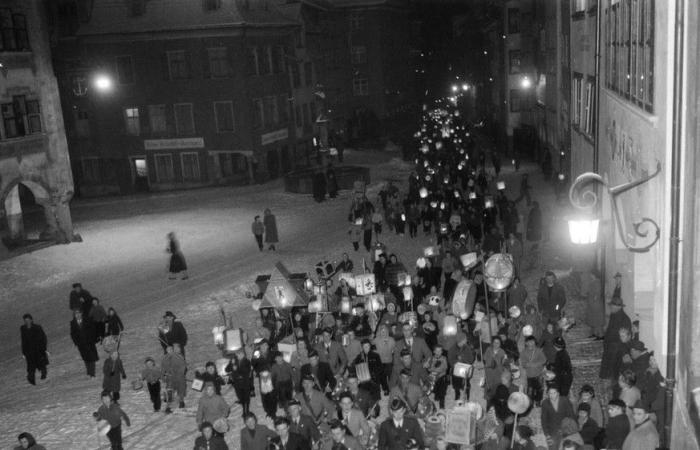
(407, 345)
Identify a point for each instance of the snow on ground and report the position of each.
(123, 262)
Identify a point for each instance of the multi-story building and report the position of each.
(34, 162)
(170, 94)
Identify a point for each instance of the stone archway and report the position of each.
(13, 198)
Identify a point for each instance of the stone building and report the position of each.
(34, 163)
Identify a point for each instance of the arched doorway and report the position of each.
(25, 206)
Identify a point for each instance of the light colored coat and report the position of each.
(643, 437)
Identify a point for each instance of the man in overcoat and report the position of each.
(83, 334)
(33, 348)
(395, 431)
(551, 298)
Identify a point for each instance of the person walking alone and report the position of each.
(270, 223)
(177, 259)
(258, 229)
(33, 348)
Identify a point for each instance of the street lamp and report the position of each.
(465, 87)
(583, 230)
(526, 83)
(103, 83)
(455, 88)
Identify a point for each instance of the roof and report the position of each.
(114, 16)
(284, 289)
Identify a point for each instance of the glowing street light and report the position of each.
(103, 83)
(455, 88)
(583, 230)
(465, 87)
(526, 83)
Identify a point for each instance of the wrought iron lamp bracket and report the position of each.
(587, 200)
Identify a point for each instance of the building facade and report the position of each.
(34, 162)
(162, 95)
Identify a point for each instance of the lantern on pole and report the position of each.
(218, 333)
(498, 272)
(449, 327)
(345, 305)
(423, 192)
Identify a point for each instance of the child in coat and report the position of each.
(113, 372)
(113, 414)
(151, 375)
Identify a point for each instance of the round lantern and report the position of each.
(518, 402)
(449, 327)
(498, 272)
(423, 192)
(433, 204)
(420, 262)
(527, 330)
(514, 312)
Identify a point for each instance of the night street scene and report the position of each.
(349, 224)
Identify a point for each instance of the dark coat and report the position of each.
(84, 337)
(534, 226)
(611, 343)
(81, 301)
(551, 419)
(551, 301)
(617, 430)
(175, 335)
(374, 362)
(589, 431)
(324, 374)
(258, 441)
(113, 371)
(306, 428)
(392, 438)
(215, 379)
(34, 344)
(294, 442)
(360, 325)
(270, 223)
(177, 259)
(215, 443)
(114, 325)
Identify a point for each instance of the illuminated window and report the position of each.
(132, 122)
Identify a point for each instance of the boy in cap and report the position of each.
(397, 430)
(300, 423)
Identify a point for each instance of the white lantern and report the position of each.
(527, 330)
(583, 231)
(449, 327)
(468, 260)
(500, 185)
(423, 192)
(438, 145)
(218, 333)
(420, 262)
(488, 203)
(472, 196)
(234, 339)
(498, 271)
(407, 293)
(424, 148)
(446, 180)
(315, 306)
(456, 194)
(433, 204)
(309, 284)
(403, 217)
(442, 205)
(345, 305)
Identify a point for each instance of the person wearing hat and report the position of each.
(390, 316)
(588, 428)
(313, 403)
(172, 331)
(253, 435)
(211, 405)
(285, 439)
(209, 439)
(551, 297)
(151, 375)
(644, 435)
(340, 439)
(417, 372)
(33, 341)
(320, 371)
(408, 391)
(332, 352)
(618, 320)
(301, 424)
(80, 298)
(461, 352)
(618, 426)
(617, 288)
(640, 360)
(562, 367)
(395, 431)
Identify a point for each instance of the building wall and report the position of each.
(36, 157)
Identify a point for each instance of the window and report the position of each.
(355, 21)
(211, 5)
(219, 66)
(164, 167)
(33, 116)
(583, 104)
(258, 113)
(125, 70)
(513, 20)
(278, 59)
(514, 56)
(579, 9)
(588, 124)
(308, 73)
(190, 166)
(131, 121)
(82, 125)
(577, 100)
(232, 163)
(266, 63)
(178, 67)
(91, 170)
(360, 87)
(296, 76)
(269, 111)
(184, 120)
(156, 115)
(358, 54)
(252, 61)
(21, 117)
(13, 30)
(629, 43)
(515, 101)
(223, 113)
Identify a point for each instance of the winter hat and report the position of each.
(584, 407)
(396, 404)
(617, 402)
(204, 425)
(640, 405)
(568, 426)
(169, 314)
(616, 301)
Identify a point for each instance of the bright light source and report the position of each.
(583, 231)
(465, 87)
(525, 83)
(103, 83)
(454, 88)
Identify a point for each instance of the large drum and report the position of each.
(498, 272)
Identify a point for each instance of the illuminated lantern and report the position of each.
(514, 312)
(407, 293)
(443, 228)
(583, 230)
(527, 330)
(424, 148)
(468, 260)
(449, 327)
(456, 194)
(365, 284)
(234, 340)
(376, 302)
(498, 272)
(315, 306)
(459, 298)
(423, 192)
(427, 178)
(447, 180)
(442, 205)
(462, 370)
(433, 204)
(221, 364)
(513, 162)
(488, 202)
(500, 185)
(256, 304)
(561, 177)
(472, 195)
(479, 316)
(359, 221)
(438, 145)
(518, 402)
(420, 262)
(286, 350)
(425, 164)
(309, 284)
(345, 305)
(403, 217)
(218, 333)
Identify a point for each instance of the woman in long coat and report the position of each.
(270, 223)
(177, 259)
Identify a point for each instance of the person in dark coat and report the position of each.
(177, 259)
(555, 408)
(98, 315)
(258, 230)
(113, 372)
(254, 436)
(113, 324)
(375, 366)
(611, 340)
(395, 431)
(80, 299)
(210, 376)
(618, 426)
(551, 298)
(113, 414)
(240, 373)
(562, 367)
(287, 440)
(27, 441)
(209, 440)
(171, 332)
(332, 182)
(82, 332)
(270, 223)
(588, 428)
(33, 348)
(321, 372)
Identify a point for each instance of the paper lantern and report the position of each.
(221, 364)
(365, 284)
(514, 312)
(403, 217)
(376, 302)
(462, 370)
(527, 330)
(421, 262)
(479, 316)
(469, 260)
(456, 194)
(345, 305)
(256, 304)
(407, 293)
(459, 298)
(424, 148)
(438, 145)
(430, 251)
(449, 327)
(286, 350)
(348, 277)
(498, 272)
(488, 202)
(433, 204)
(500, 185)
(423, 192)
(446, 180)
(103, 427)
(309, 284)
(444, 228)
(442, 205)
(218, 333)
(518, 402)
(234, 339)
(472, 196)
(359, 221)
(513, 162)
(315, 306)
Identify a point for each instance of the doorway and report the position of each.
(273, 164)
(139, 168)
